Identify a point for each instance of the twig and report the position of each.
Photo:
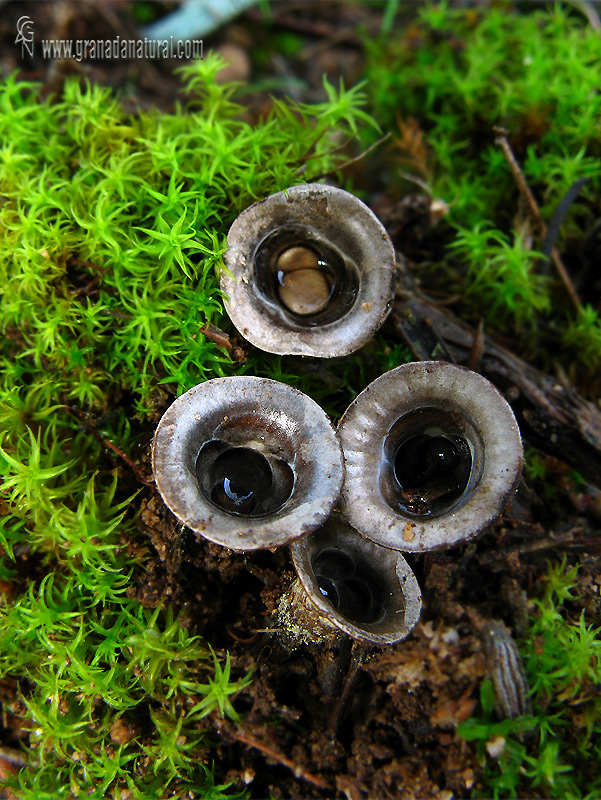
(440, 299)
(418, 182)
(421, 337)
(90, 285)
(550, 542)
(107, 443)
(359, 653)
(520, 180)
(312, 154)
(299, 772)
(79, 262)
(312, 27)
(556, 419)
(12, 756)
(519, 176)
(354, 160)
(343, 35)
(217, 336)
(520, 523)
(241, 639)
(477, 351)
(559, 216)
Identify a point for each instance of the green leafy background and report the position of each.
(112, 232)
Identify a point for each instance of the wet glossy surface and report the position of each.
(432, 471)
(357, 255)
(297, 257)
(242, 481)
(304, 281)
(305, 291)
(349, 585)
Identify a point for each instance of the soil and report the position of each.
(331, 719)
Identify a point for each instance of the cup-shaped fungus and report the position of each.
(310, 272)
(247, 462)
(350, 584)
(432, 456)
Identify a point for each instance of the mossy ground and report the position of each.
(113, 230)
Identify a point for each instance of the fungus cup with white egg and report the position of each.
(350, 584)
(432, 453)
(310, 271)
(247, 462)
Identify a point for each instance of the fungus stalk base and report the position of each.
(300, 621)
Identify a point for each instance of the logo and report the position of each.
(25, 35)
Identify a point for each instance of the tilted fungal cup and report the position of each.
(310, 272)
(350, 584)
(432, 456)
(247, 462)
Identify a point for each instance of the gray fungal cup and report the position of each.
(347, 583)
(433, 455)
(310, 272)
(247, 462)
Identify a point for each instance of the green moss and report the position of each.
(113, 226)
(459, 73)
(451, 75)
(112, 234)
(555, 752)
